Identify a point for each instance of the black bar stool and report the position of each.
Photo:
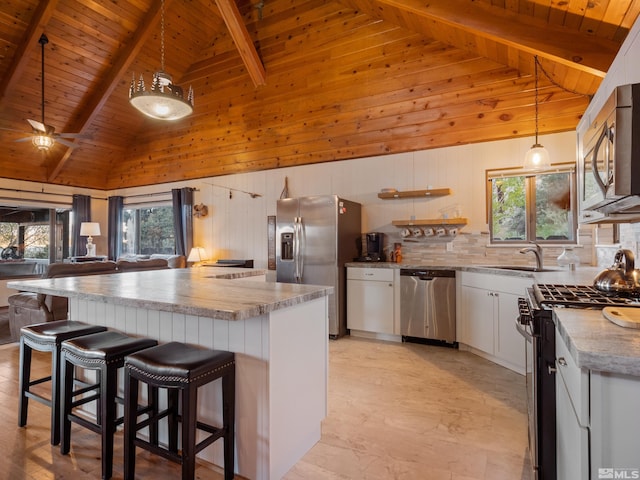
(103, 352)
(46, 337)
(180, 369)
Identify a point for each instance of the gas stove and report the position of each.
(578, 296)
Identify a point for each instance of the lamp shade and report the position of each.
(90, 229)
(537, 158)
(197, 254)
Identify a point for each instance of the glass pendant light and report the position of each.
(537, 158)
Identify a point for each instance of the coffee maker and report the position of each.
(371, 247)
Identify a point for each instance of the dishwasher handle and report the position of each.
(425, 278)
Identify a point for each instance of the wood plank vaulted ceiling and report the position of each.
(342, 79)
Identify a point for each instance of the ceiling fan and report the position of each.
(44, 136)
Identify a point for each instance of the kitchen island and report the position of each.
(278, 331)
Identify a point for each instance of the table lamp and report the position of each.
(89, 229)
(197, 255)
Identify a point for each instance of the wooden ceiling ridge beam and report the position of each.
(573, 48)
(240, 35)
(40, 19)
(112, 77)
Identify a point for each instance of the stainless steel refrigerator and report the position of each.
(316, 236)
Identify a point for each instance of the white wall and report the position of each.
(237, 227)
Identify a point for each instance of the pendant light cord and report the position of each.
(162, 36)
(43, 41)
(550, 78)
(536, 83)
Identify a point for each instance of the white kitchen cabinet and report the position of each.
(487, 311)
(370, 300)
(477, 313)
(572, 415)
(597, 420)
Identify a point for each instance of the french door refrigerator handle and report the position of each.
(301, 248)
(296, 248)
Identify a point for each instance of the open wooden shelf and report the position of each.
(429, 222)
(434, 192)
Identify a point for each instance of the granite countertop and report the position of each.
(595, 343)
(583, 275)
(208, 292)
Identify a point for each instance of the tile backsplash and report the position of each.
(474, 249)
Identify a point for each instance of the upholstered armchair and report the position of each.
(26, 308)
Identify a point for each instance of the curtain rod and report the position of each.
(13, 199)
(154, 194)
(42, 192)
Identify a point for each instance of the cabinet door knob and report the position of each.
(562, 362)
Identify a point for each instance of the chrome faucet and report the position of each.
(537, 251)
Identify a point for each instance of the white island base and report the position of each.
(281, 374)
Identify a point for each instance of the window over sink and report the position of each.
(532, 206)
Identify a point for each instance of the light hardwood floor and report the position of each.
(396, 411)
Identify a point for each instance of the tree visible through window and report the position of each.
(25, 233)
(532, 207)
(148, 230)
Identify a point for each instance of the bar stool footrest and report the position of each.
(39, 398)
(39, 381)
(158, 450)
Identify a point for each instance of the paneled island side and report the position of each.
(278, 331)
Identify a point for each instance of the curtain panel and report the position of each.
(183, 219)
(114, 227)
(81, 208)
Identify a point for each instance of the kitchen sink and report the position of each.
(521, 268)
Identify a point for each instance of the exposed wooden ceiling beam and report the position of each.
(238, 30)
(571, 48)
(41, 17)
(113, 75)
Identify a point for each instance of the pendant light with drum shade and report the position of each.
(164, 101)
(537, 158)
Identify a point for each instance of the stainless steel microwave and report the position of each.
(609, 160)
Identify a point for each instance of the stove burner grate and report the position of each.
(583, 296)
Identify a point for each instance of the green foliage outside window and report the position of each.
(509, 208)
(532, 208)
(148, 230)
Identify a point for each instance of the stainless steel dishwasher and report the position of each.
(428, 304)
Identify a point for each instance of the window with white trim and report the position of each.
(526, 206)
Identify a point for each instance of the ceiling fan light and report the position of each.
(537, 158)
(42, 142)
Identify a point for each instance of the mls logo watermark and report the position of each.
(621, 473)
